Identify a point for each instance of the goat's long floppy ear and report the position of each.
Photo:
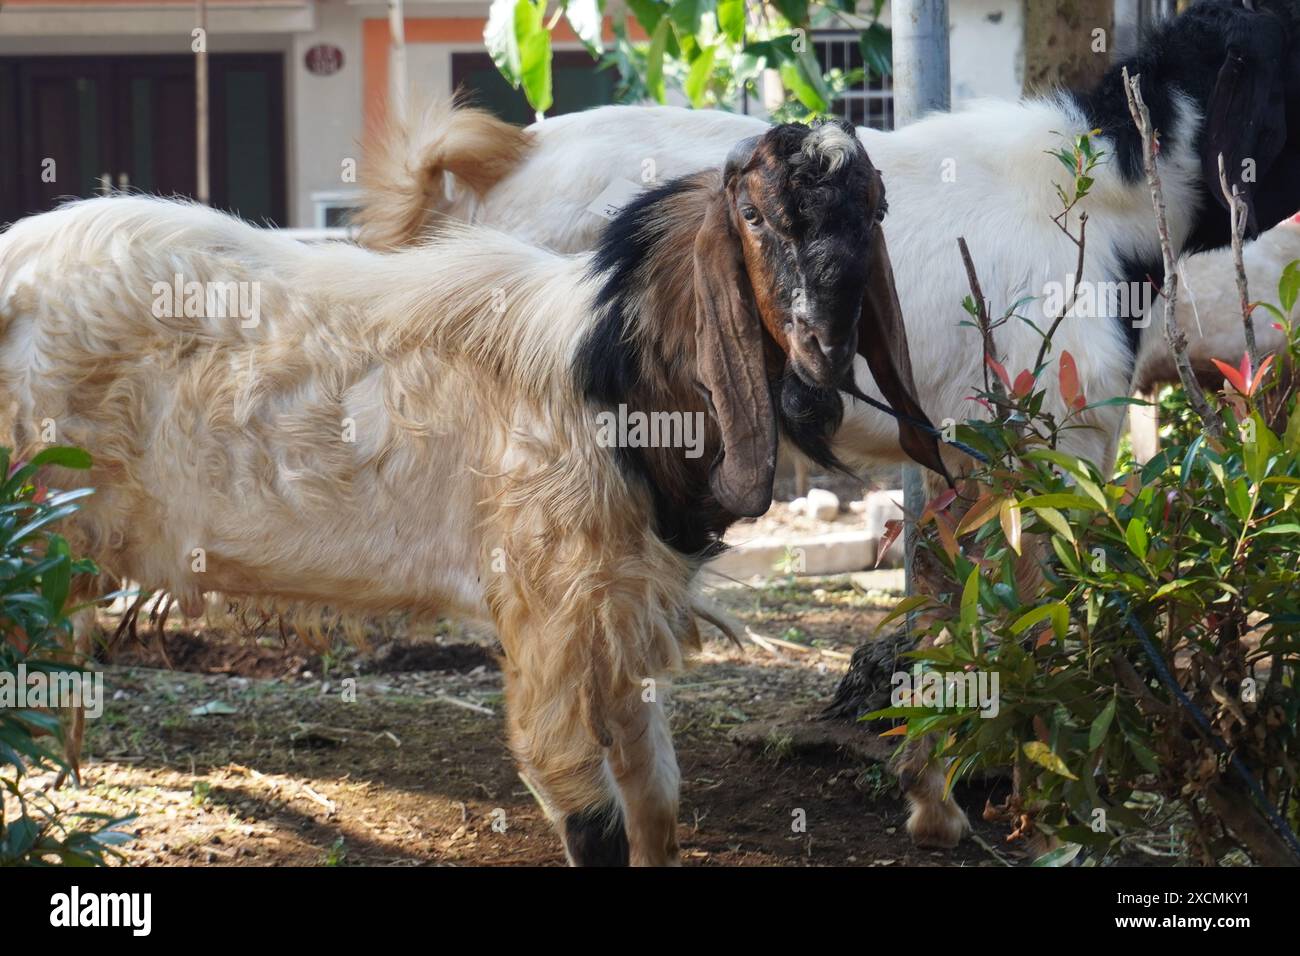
(730, 364)
(882, 341)
(1246, 119)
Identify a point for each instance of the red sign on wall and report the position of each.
(324, 59)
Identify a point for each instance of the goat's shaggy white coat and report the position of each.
(474, 486)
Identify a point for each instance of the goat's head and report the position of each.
(792, 245)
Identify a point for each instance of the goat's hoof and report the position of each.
(941, 824)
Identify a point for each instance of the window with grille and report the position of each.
(871, 102)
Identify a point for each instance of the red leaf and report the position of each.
(942, 502)
(1040, 729)
(893, 527)
(998, 369)
(1024, 384)
(1259, 376)
(947, 535)
(41, 492)
(1069, 375)
(1231, 375)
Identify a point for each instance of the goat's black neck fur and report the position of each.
(1180, 57)
(1172, 63)
(610, 368)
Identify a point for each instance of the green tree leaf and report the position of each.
(587, 18)
(877, 45)
(796, 11)
(1097, 732)
(686, 15)
(654, 72)
(1288, 286)
(520, 45)
(697, 81)
(500, 39)
(731, 19)
(802, 76)
(534, 53)
(648, 13)
(1044, 756)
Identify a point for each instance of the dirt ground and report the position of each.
(250, 753)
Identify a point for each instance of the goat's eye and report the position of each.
(880, 212)
(751, 215)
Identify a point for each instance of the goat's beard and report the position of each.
(810, 416)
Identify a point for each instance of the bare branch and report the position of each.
(1237, 207)
(1081, 242)
(1173, 333)
(982, 316)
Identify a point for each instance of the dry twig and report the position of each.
(1237, 210)
(1173, 334)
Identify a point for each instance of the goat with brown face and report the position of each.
(809, 202)
(791, 278)
(479, 369)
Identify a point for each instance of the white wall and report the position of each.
(324, 113)
(985, 48)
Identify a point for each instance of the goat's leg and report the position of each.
(83, 630)
(934, 820)
(566, 767)
(645, 768)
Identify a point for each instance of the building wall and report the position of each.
(986, 47)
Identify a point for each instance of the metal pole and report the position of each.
(397, 88)
(921, 83)
(203, 185)
(921, 78)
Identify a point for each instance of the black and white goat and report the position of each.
(434, 431)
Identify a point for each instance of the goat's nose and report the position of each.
(839, 354)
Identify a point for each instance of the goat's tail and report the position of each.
(404, 191)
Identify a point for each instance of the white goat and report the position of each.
(1209, 308)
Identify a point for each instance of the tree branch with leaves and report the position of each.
(712, 51)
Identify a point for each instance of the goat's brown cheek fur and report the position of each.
(762, 282)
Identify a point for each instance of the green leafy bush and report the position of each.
(37, 571)
(1148, 673)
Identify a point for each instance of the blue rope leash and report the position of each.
(1166, 678)
(923, 426)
